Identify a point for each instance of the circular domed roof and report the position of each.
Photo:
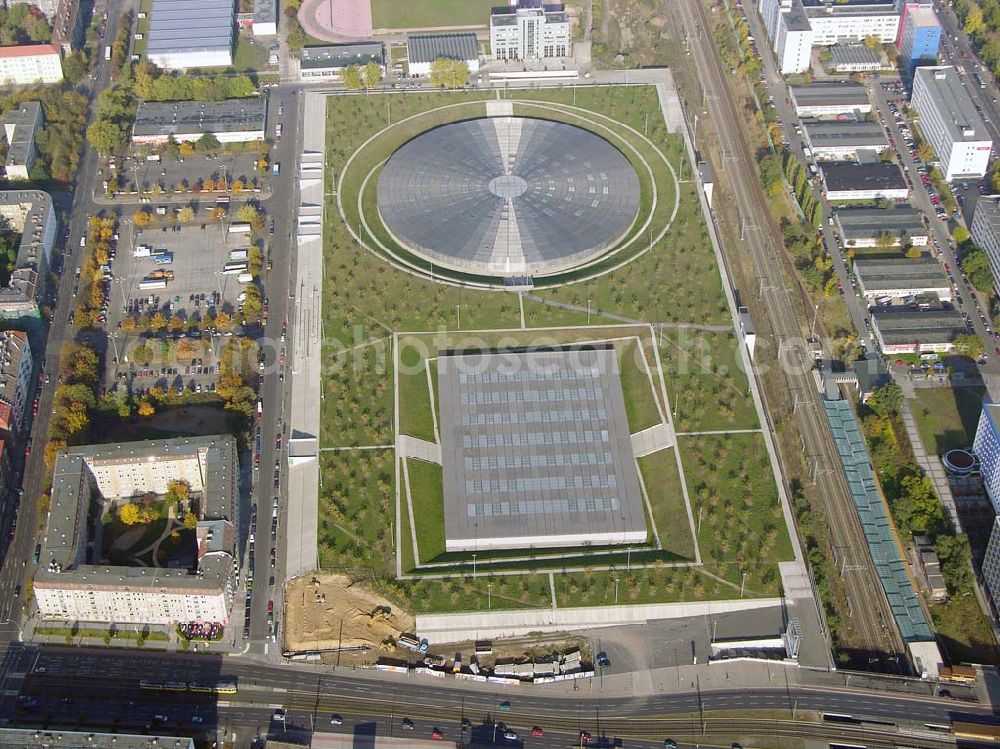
(508, 196)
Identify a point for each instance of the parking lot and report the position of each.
(170, 173)
(184, 350)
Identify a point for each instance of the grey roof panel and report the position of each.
(191, 25)
(429, 47)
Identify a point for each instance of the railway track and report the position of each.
(869, 611)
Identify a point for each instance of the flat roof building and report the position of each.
(21, 65)
(20, 126)
(265, 17)
(828, 99)
(900, 278)
(865, 227)
(921, 35)
(191, 33)
(327, 62)
(840, 140)
(530, 30)
(16, 370)
(846, 180)
(917, 332)
(423, 49)
(985, 231)
(230, 120)
(836, 23)
(854, 58)
(536, 450)
(29, 212)
(49, 738)
(950, 122)
(791, 36)
(71, 585)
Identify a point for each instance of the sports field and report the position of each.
(418, 14)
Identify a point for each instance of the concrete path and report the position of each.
(413, 447)
(654, 439)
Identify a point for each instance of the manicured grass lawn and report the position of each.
(734, 497)
(637, 586)
(415, 417)
(250, 54)
(539, 315)
(705, 381)
(640, 403)
(415, 14)
(947, 417)
(963, 631)
(663, 484)
(427, 497)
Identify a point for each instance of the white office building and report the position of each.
(791, 36)
(986, 231)
(835, 23)
(530, 30)
(950, 123)
(30, 63)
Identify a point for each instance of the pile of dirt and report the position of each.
(326, 611)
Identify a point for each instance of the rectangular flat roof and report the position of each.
(796, 19)
(853, 54)
(829, 94)
(20, 126)
(191, 26)
(423, 48)
(923, 16)
(51, 738)
(342, 55)
(952, 101)
(821, 9)
(846, 134)
(925, 326)
(536, 450)
(227, 116)
(846, 175)
(900, 273)
(869, 223)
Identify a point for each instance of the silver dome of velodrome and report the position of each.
(510, 196)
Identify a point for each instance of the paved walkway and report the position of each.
(413, 447)
(654, 439)
(932, 466)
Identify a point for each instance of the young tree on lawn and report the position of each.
(447, 73)
(372, 74)
(185, 215)
(351, 77)
(128, 514)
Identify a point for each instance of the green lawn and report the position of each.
(705, 381)
(250, 54)
(415, 417)
(663, 484)
(735, 499)
(427, 497)
(947, 417)
(357, 395)
(416, 14)
(963, 632)
(640, 403)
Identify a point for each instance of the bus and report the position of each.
(234, 267)
(107, 52)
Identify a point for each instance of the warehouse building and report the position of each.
(839, 140)
(920, 36)
(885, 280)
(536, 450)
(191, 33)
(866, 227)
(986, 231)
(854, 58)
(20, 127)
(30, 213)
(846, 180)
(21, 65)
(230, 120)
(917, 331)
(423, 49)
(72, 585)
(790, 34)
(326, 63)
(830, 99)
(950, 122)
(529, 30)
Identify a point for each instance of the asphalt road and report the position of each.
(102, 688)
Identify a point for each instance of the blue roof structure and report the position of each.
(868, 501)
